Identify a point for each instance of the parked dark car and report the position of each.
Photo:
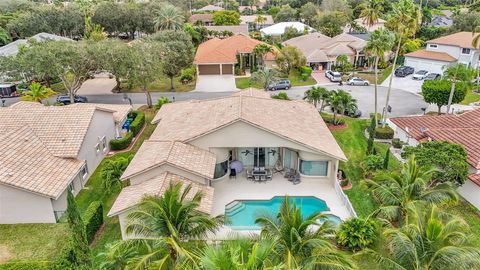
(8, 90)
(65, 100)
(280, 85)
(351, 113)
(432, 76)
(404, 71)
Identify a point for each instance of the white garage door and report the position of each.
(429, 65)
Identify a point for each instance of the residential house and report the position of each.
(362, 22)
(12, 48)
(444, 19)
(463, 129)
(47, 150)
(210, 8)
(279, 28)
(196, 142)
(233, 29)
(322, 51)
(252, 21)
(443, 51)
(251, 9)
(201, 19)
(220, 56)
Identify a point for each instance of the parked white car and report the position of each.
(358, 81)
(333, 76)
(420, 75)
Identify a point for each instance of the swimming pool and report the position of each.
(241, 214)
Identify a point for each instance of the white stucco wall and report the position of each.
(401, 134)
(102, 125)
(456, 52)
(470, 192)
(18, 206)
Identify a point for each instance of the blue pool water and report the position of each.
(242, 214)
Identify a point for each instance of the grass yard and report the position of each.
(31, 241)
(294, 77)
(470, 97)
(163, 85)
(370, 75)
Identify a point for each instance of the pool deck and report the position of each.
(228, 190)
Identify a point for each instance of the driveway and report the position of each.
(97, 86)
(406, 83)
(215, 83)
(319, 76)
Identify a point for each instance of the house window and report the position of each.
(71, 187)
(104, 144)
(97, 148)
(84, 171)
(465, 51)
(314, 168)
(221, 169)
(433, 46)
(289, 159)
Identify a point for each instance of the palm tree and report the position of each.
(240, 254)
(379, 42)
(302, 242)
(314, 95)
(405, 19)
(37, 92)
(161, 226)
(262, 50)
(336, 103)
(457, 72)
(349, 103)
(169, 18)
(413, 186)
(112, 171)
(371, 11)
(430, 240)
(265, 77)
(116, 256)
(4, 36)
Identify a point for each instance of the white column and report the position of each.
(221, 69)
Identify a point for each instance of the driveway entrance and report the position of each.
(215, 83)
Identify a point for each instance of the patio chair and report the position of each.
(233, 173)
(269, 175)
(249, 174)
(295, 179)
(289, 172)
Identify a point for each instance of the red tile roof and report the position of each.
(439, 56)
(225, 50)
(460, 39)
(462, 129)
(475, 178)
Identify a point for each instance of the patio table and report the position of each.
(259, 175)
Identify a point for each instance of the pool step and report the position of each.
(232, 210)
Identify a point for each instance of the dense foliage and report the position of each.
(438, 91)
(33, 265)
(138, 122)
(356, 233)
(123, 143)
(93, 219)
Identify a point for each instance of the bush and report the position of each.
(160, 102)
(396, 143)
(123, 143)
(356, 233)
(344, 183)
(305, 72)
(187, 75)
(373, 163)
(29, 265)
(329, 119)
(93, 219)
(438, 92)
(384, 133)
(137, 123)
(281, 95)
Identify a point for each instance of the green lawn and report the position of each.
(31, 241)
(470, 97)
(294, 78)
(370, 75)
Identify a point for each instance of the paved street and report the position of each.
(402, 102)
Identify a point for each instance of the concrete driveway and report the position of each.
(406, 83)
(319, 76)
(215, 83)
(97, 86)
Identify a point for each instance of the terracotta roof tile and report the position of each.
(208, 17)
(132, 195)
(460, 39)
(475, 178)
(424, 54)
(235, 29)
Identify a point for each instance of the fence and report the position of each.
(345, 199)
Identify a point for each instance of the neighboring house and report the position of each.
(279, 28)
(219, 56)
(47, 150)
(463, 129)
(210, 8)
(251, 21)
(247, 8)
(201, 19)
(12, 48)
(234, 29)
(196, 141)
(443, 51)
(442, 20)
(322, 51)
(362, 22)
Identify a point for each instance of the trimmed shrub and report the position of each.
(356, 233)
(27, 265)
(305, 72)
(384, 133)
(188, 74)
(137, 123)
(93, 219)
(123, 143)
(396, 143)
(329, 119)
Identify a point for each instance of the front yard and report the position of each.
(470, 98)
(294, 77)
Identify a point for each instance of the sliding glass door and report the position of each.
(258, 156)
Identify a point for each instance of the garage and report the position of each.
(209, 69)
(227, 69)
(433, 62)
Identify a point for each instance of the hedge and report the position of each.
(137, 123)
(93, 219)
(396, 143)
(123, 143)
(383, 133)
(328, 118)
(29, 265)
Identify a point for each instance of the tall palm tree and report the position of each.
(302, 242)
(349, 103)
(336, 103)
(413, 186)
(431, 240)
(240, 254)
(161, 226)
(371, 11)
(37, 92)
(169, 18)
(457, 73)
(315, 94)
(262, 50)
(405, 19)
(116, 256)
(265, 77)
(379, 42)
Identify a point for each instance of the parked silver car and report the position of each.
(333, 76)
(420, 75)
(358, 81)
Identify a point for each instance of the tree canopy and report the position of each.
(226, 17)
(438, 91)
